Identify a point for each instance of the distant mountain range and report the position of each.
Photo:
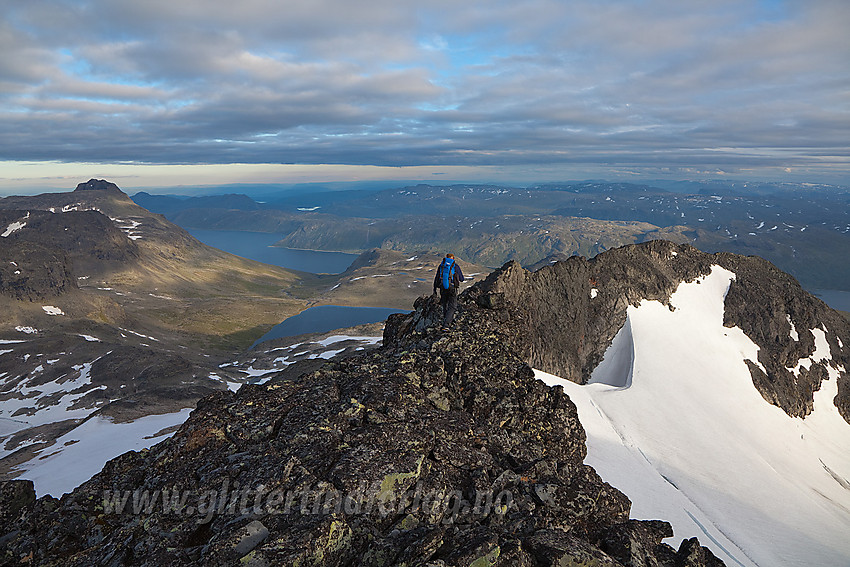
(803, 229)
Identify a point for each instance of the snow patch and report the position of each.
(821, 353)
(338, 338)
(81, 453)
(138, 334)
(327, 355)
(41, 403)
(27, 330)
(51, 310)
(593, 293)
(794, 334)
(15, 226)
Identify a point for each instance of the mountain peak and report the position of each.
(99, 185)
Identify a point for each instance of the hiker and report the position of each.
(447, 280)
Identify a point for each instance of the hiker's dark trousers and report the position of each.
(448, 300)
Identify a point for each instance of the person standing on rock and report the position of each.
(447, 280)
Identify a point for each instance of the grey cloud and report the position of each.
(414, 83)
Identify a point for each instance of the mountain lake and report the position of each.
(323, 318)
(258, 246)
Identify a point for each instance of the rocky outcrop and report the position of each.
(99, 185)
(778, 315)
(89, 239)
(436, 449)
(31, 271)
(569, 312)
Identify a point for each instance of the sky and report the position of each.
(164, 92)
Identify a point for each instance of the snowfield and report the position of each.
(81, 453)
(674, 421)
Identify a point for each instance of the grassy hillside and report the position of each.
(160, 277)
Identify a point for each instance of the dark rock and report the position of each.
(89, 239)
(691, 554)
(31, 271)
(554, 548)
(16, 496)
(98, 185)
(638, 543)
(760, 301)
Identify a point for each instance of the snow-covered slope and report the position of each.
(82, 441)
(81, 453)
(673, 420)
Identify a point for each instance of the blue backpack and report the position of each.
(447, 269)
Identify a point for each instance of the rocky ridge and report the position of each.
(571, 311)
(435, 449)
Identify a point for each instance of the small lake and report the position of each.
(323, 318)
(258, 246)
(834, 298)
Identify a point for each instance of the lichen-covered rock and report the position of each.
(437, 449)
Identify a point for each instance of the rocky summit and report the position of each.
(436, 449)
(570, 311)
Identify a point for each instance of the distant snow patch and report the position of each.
(91, 338)
(15, 226)
(593, 293)
(338, 338)
(327, 355)
(128, 226)
(51, 310)
(27, 330)
(138, 334)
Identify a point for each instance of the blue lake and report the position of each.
(834, 298)
(323, 318)
(258, 246)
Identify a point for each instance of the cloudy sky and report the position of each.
(160, 92)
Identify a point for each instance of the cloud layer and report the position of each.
(651, 86)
